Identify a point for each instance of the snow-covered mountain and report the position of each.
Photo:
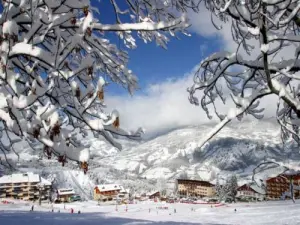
(237, 149)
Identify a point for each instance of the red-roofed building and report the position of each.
(248, 191)
(108, 192)
(277, 186)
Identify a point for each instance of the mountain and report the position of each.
(237, 149)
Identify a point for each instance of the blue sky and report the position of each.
(164, 75)
(153, 64)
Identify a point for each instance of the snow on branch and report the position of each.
(143, 26)
(54, 57)
(244, 76)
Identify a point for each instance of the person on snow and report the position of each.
(32, 208)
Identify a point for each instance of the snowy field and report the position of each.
(91, 214)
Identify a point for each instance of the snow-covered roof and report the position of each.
(254, 187)
(110, 187)
(65, 191)
(20, 178)
(45, 182)
(151, 193)
(123, 190)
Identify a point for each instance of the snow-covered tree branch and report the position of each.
(264, 31)
(54, 55)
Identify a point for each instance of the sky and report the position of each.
(162, 102)
(164, 75)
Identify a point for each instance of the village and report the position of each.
(34, 188)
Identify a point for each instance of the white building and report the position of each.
(250, 191)
(25, 186)
(64, 194)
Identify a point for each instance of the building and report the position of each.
(123, 193)
(109, 192)
(45, 187)
(153, 195)
(250, 192)
(280, 187)
(65, 194)
(195, 188)
(26, 186)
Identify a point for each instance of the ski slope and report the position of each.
(279, 212)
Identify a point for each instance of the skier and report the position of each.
(234, 210)
(79, 212)
(72, 210)
(174, 210)
(32, 208)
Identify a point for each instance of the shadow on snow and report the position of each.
(48, 218)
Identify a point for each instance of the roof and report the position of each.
(123, 190)
(285, 177)
(245, 187)
(199, 182)
(292, 172)
(252, 187)
(66, 191)
(45, 182)
(109, 187)
(152, 193)
(20, 178)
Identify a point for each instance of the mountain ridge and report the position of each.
(236, 149)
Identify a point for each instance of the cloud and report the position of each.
(165, 106)
(203, 26)
(160, 107)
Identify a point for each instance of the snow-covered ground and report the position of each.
(280, 212)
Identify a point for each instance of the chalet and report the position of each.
(25, 186)
(195, 188)
(108, 192)
(65, 194)
(280, 187)
(250, 192)
(153, 195)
